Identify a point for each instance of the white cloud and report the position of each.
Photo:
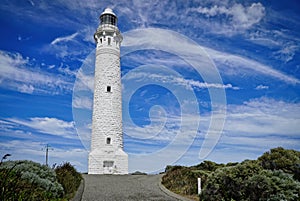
(82, 102)
(262, 117)
(51, 126)
(72, 47)
(85, 81)
(16, 73)
(29, 89)
(287, 52)
(177, 81)
(266, 37)
(152, 57)
(211, 85)
(8, 129)
(64, 38)
(87, 34)
(260, 87)
(283, 43)
(232, 65)
(65, 70)
(227, 63)
(51, 66)
(200, 85)
(238, 17)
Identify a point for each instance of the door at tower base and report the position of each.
(108, 161)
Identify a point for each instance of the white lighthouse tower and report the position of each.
(107, 155)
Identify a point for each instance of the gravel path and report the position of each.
(123, 188)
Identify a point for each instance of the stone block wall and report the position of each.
(107, 136)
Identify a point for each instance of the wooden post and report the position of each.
(199, 186)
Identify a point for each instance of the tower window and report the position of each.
(108, 89)
(109, 40)
(108, 140)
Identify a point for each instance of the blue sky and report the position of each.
(202, 80)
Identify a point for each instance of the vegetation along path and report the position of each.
(124, 187)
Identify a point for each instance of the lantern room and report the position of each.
(108, 17)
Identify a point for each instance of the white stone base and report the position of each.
(108, 161)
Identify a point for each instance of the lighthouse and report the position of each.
(106, 155)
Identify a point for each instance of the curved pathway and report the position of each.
(124, 188)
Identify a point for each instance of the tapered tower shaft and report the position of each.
(107, 155)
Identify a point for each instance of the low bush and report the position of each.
(182, 180)
(27, 180)
(279, 158)
(274, 176)
(250, 182)
(69, 178)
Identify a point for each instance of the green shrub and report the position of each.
(27, 180)
(209, 166)
(274, 176)
(272, 185)
(282, 159)
(69, 178)
(249, 181)
(172, 168)
(182, 180)
(228, 183)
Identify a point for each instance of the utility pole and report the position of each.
(47, 149)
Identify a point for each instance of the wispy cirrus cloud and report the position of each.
(228, 64)
(231, 65)
(72, 47)
(263, 116)
(251, 128)
(82, 102)
(261, 87)
(284, 43)
(17, 73)
(256, 126)
(235, 18)
(64, 38)
(47, 125)
(217, 17)
(38, 11)
(179, 81)
(85, 80)
(287, 52)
